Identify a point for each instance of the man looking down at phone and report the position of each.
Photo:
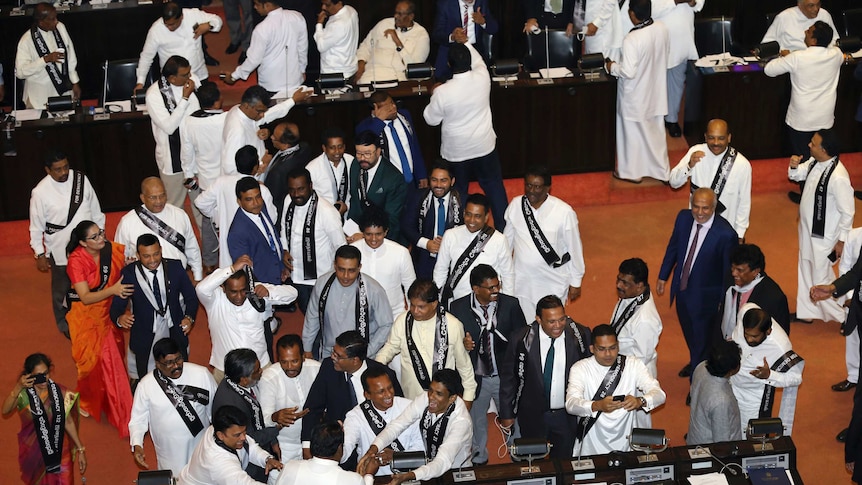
(608, 389)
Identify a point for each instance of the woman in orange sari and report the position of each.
(97, 344)
(49, 432)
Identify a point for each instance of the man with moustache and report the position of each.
(331, 169)
(253, 232)
(282, 391)
(174, 402)
(45, 59)
(391, 45)
(717, 165)
(635, 319)
(752, 284)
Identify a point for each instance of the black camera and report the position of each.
(40, 378)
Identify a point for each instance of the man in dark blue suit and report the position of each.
(374, 181)
(429, 213)
(698, 253)
(164, 304)
(253, 233)
(460, 21)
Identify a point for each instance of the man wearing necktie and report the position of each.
(490, 318)
(752, 284)
(253, 233)
(698, 254)
(461, 21)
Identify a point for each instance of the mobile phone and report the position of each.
(40, 378)
(620, 398)
(833, 256)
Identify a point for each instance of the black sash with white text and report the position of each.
(441, 348)
(173, 138)
(376, 422)
(818, 228)
(629, 312)
(467, 258)
(49, 435)
(75, 201)
(783, 364)
(453, 210)
(161, 228)
(182, 402)
(59, 76)
(362, 311)
(253, 404)
(539, 240)
(720, 179)
(434, 431)
(104, 272)
(609, 385)
(309, 255)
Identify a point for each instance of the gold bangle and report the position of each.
(81, 449)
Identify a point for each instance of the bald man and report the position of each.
(717, 165)
(292, 153)
(169, 223)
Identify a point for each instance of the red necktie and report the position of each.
(689, 260)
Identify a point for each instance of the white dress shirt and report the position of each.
(384, 62)
(558, 374)
(639, 336)
(277, 391)
(337, 42)
(789, 26)
(605, 15)
(679, 21)
(279, 51)
(213, 465)
(240, 130)
(455, 449)
(200, 149)
(326, 177)
(131, 226)
(179, 42)
(328, 237)
(424, 332)
(814, 82)
(462, 105)
(496, 254)
(165, 123)
(49, 203)
(321, 471)
(234, 327)
(392, 267)
(736, 195)
(359, 436)
(30, 66)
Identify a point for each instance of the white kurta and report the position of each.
(326, 177)
(131, 226)
(49, 203)
(611, 430)
(534, 278)
(814, 265)
(338, 41)
(736, 195)
(328, 237)
(234, 327)
(639, 337)
(219, 204)
(387, 63)
(211, 464)
(604, 14)
(852, 248)
(455, 449)
(200, 150)
(359, 436)
(496, 253)
(240, 130)
(320, 471)
(679, 21)
(30, 67)
(152, 411)
(642, 104)
(277, 391)
(749, 389)
(788, 28)
(279, 52)
(164, 123)
(424, 332)
(392, 267)
(179, 42)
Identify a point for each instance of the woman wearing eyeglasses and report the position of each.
(45, 458)
(97, 344)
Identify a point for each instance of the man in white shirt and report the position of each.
(386, 261)
(310, 234)
(57, 205)
(337, 40)
(278, 50)
(813, 81)
(602, 32)
(169, 223)
(330, 171)
(46, 59)
(610, 407)
(468, 141)
(391, 45)
(768, 362)
(642, 97)
(236, 315)
(825, 218)
(179, 32)
(717, 165)
(429, 339)
(327, 449)
(368, 419)
(635, 319)
(679, 20)
(169, 102)
(282, 390)
(445, 425)
(463, 247)
(788, 26)
(543, 233)
(224, 452)
(174, 402)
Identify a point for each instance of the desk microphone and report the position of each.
(547, 51)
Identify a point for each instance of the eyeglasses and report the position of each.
(491, 287)
(335, 356)
(97, 236)
(173, 363)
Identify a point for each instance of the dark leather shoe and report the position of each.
(842, 436)
(794, 318)
(688, 400)
(673, 129)
(843, 386)
(857, 194)
(210, 60)
(685, 371)
(794, 197)
(231, 49)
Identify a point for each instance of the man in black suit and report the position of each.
(164, 304)
(429, 213)
(241, 375)
(338, 386)
(751, 284)
(374, 181)
(492, 318)
(292, 153)
(535, 393)
(698, 255)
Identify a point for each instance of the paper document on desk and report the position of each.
(714, 60)
(713, 478)
(555, 72)
(123, 106)
(28, 114)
